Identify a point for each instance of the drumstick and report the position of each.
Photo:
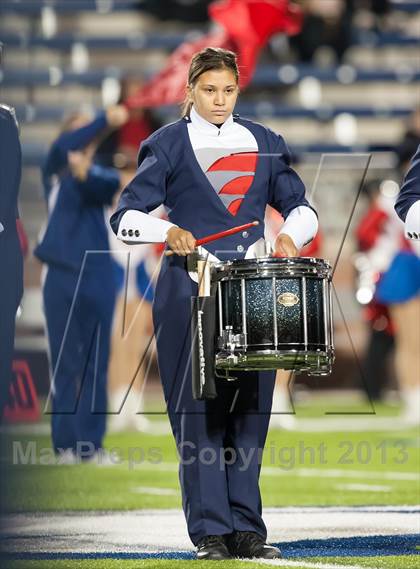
(219, 235)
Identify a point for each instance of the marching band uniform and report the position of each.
(11, 279)
(377, 240)
(399, 289)
(401, 279)
(78, 290)
(408, 202)
(211, 179)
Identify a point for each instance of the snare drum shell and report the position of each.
(279, 303)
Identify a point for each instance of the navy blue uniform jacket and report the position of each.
(76, 209)
(168, 173)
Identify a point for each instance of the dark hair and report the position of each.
(208, 59)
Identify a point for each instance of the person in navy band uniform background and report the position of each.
(78, 289)
(11, 274)
(213, 171)
(399, 289)
(407, 205)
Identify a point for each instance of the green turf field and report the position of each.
(391, 562)
(286, 474)
(299, 468)
(332, 468)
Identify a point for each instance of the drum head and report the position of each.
(273, 267)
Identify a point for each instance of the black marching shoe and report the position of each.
(248, 544)
(212, 548)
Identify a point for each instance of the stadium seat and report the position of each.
(265, 76)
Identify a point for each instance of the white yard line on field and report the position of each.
(342, 423)
(154, 490)
(363, 487)
(165, 530)
(302, 472)
(307, 565)
(339, 473)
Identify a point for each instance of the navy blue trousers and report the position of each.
(79, 316)
(220, 441)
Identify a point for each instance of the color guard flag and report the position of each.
(245, 26)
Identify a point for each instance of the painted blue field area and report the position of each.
(370, 546)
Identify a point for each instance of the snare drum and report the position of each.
(274, 313)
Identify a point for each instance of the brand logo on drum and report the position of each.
(288, 299)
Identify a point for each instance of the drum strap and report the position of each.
(203, 331)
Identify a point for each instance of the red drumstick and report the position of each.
(225, 233)
(219, 235)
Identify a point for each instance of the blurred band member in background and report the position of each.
(373, 241)
(79, 288)
(399, 288)
(121, 146)
(132, 326)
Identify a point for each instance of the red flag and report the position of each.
(250, 24)
(246, 26)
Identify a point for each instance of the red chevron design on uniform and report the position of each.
(239, 162)
(242, 161)
(234, 207)
(239, 185)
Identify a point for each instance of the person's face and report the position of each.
(214, 95)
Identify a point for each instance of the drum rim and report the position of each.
(327, 355)
(296, 262)
(328, 351)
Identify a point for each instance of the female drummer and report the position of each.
(213, 171)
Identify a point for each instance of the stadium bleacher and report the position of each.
(30, 113)
(346, 486)
(61, 55)
(101, 6)
(37, 58)
(171, 41)
(33, 7)
(265, 76)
